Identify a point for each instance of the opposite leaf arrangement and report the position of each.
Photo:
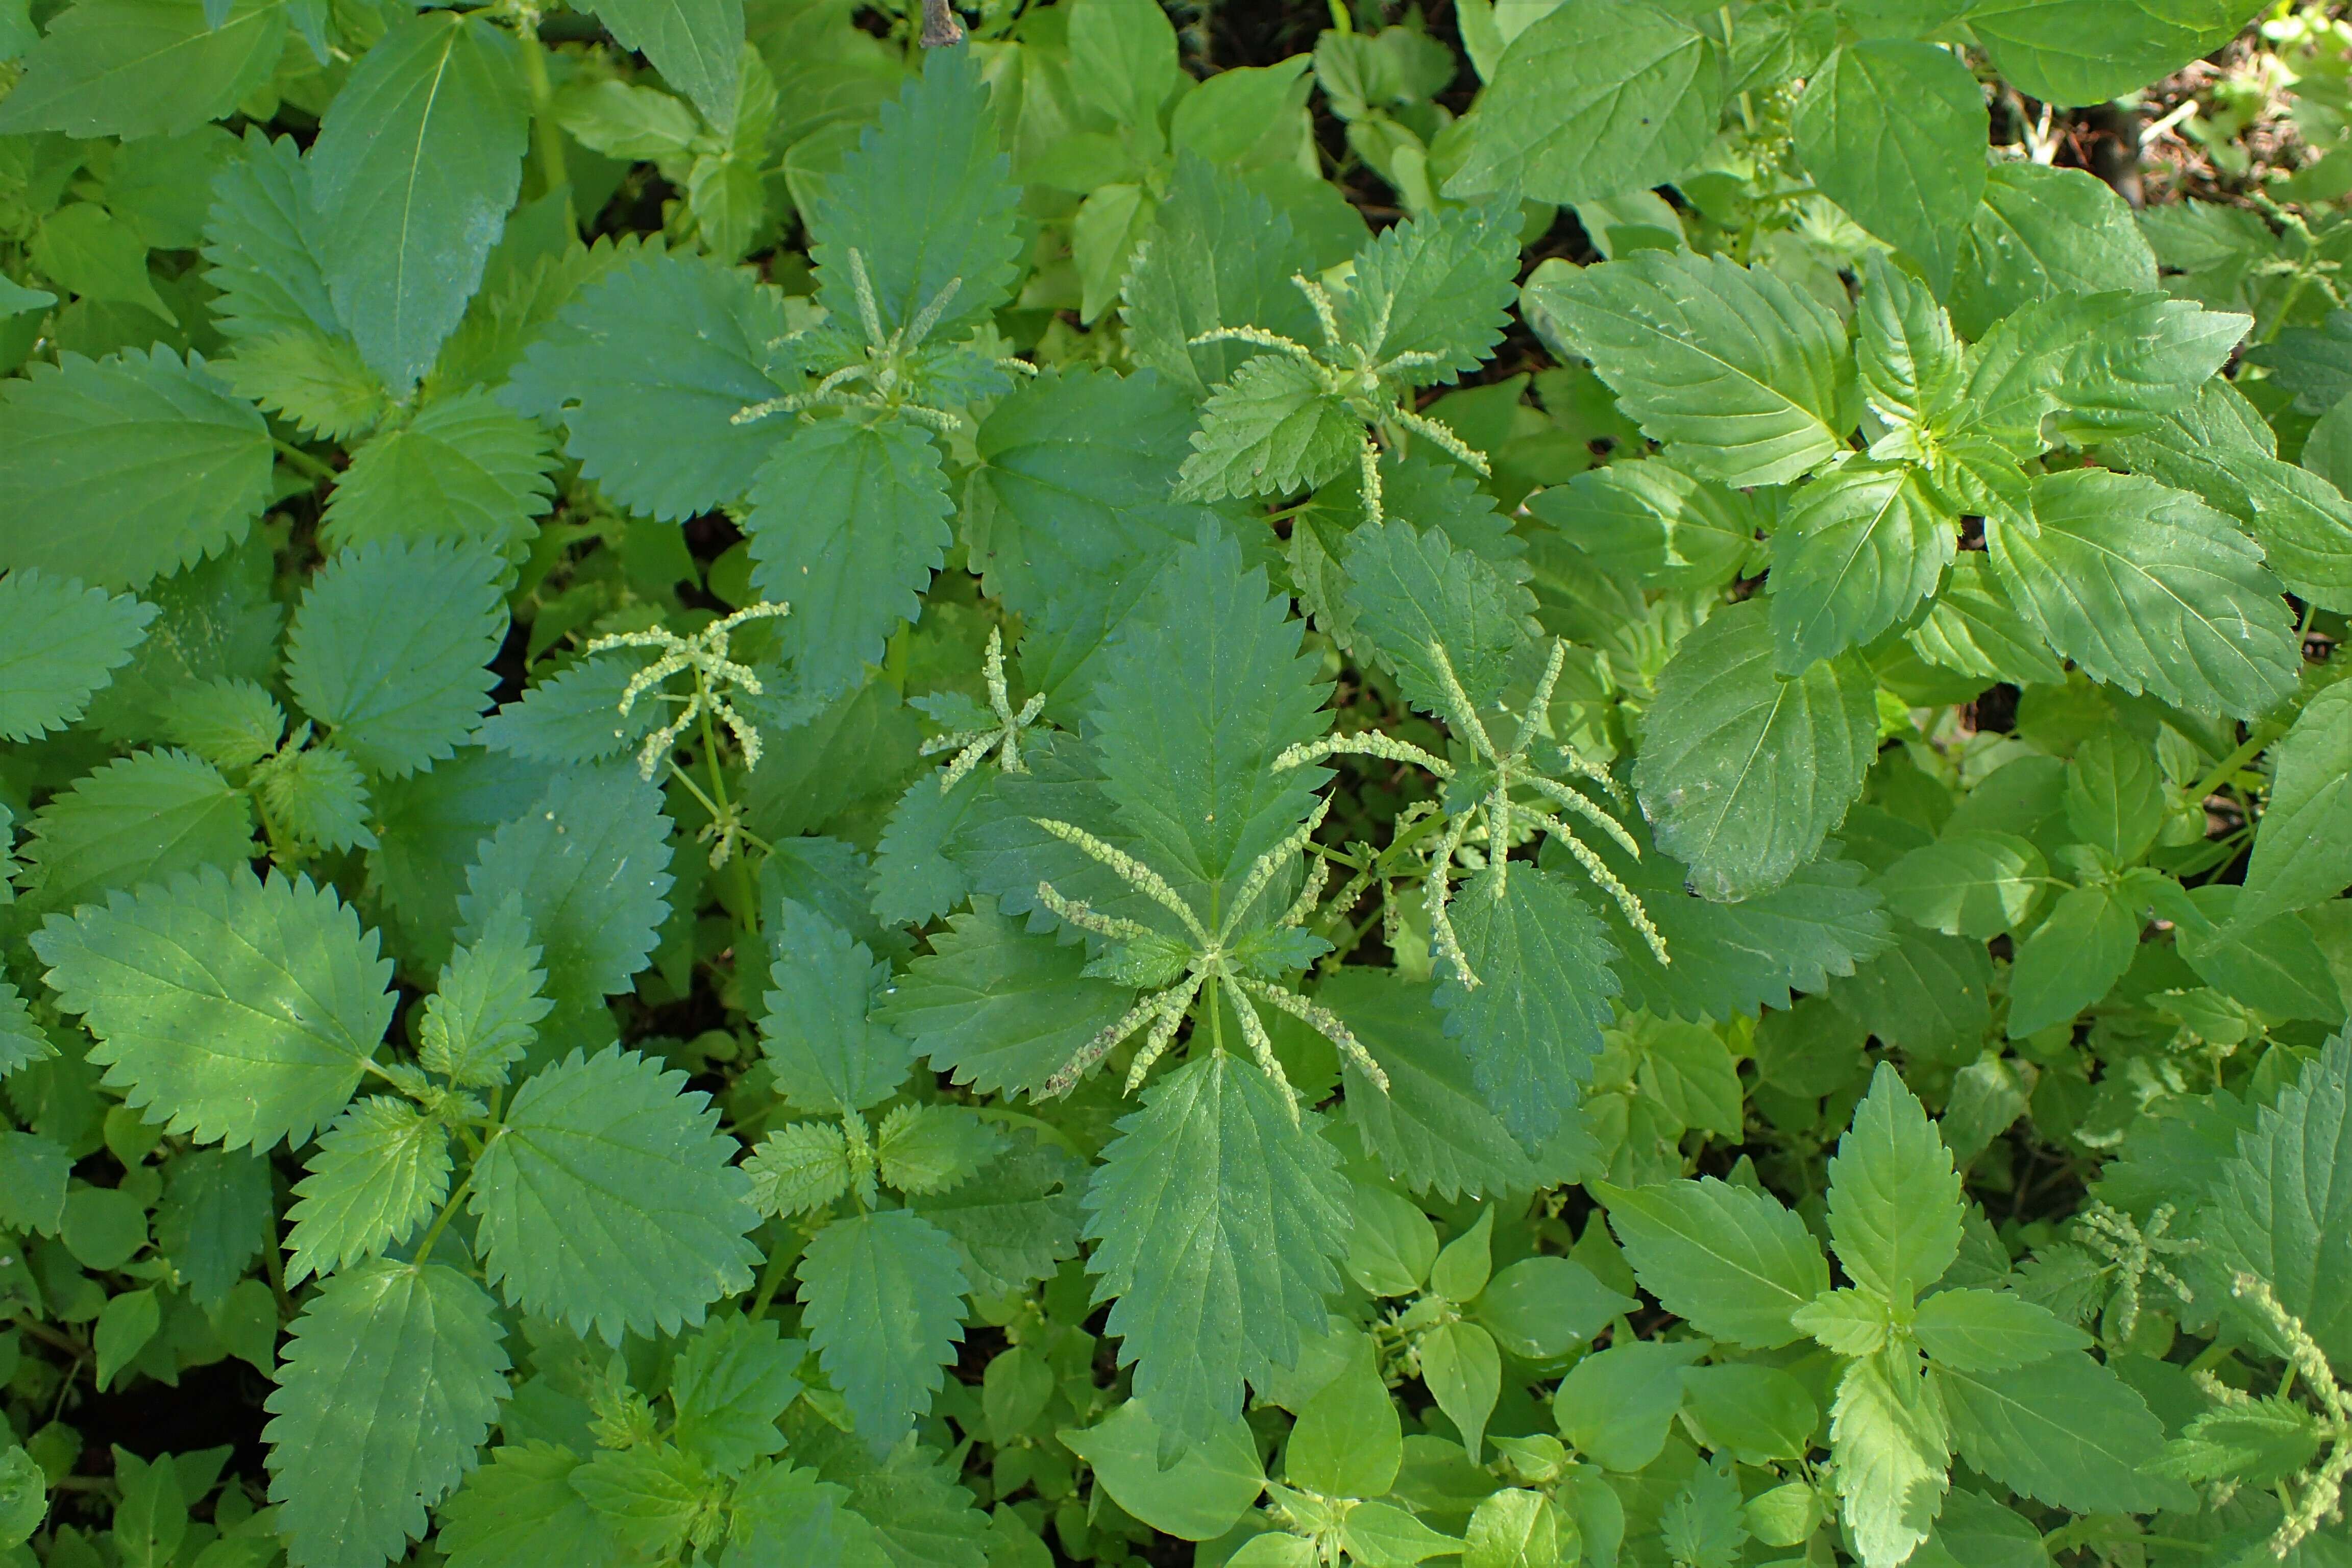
(794, 785)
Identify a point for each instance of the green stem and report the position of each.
(772, 1280)
(303, 461)
(1044, 1129)
(441, 1221)
(2263, 736)
(545, 132)
(747, 914)
(51, 1337)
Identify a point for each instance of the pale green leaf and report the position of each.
(2078, 951)
(479, 1019)
(264, 241)
(1975, 882)
(463, 471)
(143, 68)
(1894, 1205)
(1437, 286)
(379, 1172)
(1200, 1497)
(1895, 132)
(1893, 1455)
(1654, 522)
(520, 1509)
(799, 1169)
(2063, 1430)
(316, 383)
(1272, 428)
(140, 818)
(1732, 1262)
(59, 641)
(1991, 1331)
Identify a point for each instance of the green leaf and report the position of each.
(1731, 1262)
(1855, 552)
(1594, 101)
(317, 796)
(2071, 52)
(126, 469)
(1217, 254)
(1974, 628)
(1895, 1200)
(143, 68)
(1760, 1413)
(882, 1300)
(1408, 590)
(82, 247)
(166, 979)
(1199, 1498)
(573, 715)
(1272, 428)
(1531, 1025)
(2114, 797)
(24, 1496)
(520, 1509)
(2280, 1209)
(1927, 992)
(647, 367)
(1206, 686)
(1988, 1330)
(1433, 1130)
(1347, 1441)
(2080, 950)
(589, 865)
(380, 1172)
(1464, 1371)
(479, 1019)
(464, 471)
(389, 1382)
(2063, 1430)
(695, 44)
(1016, 1222)
(1439, 285)
(925, 201)
(22, 1040)
(728, 1385)
(1743, 772)
(1910, 362)
(1974, 882)
(124, 1326)
(1220, 1216)
(263, 239)
(2302, 848)
(1895, 132)
(417, 161)
(799, 1169)
(847, 523)
(34, 1197)
(140, 818)
(609, 1199)
(1541, 1307)
(1000, 1009)
(2148, 589)
(392, 649)
(1652, 521)
(926, 1148)
(217, 1212)
(1746, 379)
(1616, 1406)
(1893, 1460)
(2043, 232)
(58, 643)
(319, 384)
(827, 1055)
(2105, 363)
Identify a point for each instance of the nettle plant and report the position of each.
(913, 787)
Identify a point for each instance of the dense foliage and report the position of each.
(798, 784)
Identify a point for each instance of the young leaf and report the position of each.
(1856, 552)
(165, 979)
(828, 1057)
(417, 160)
(1743, 772)
(1272, 428)
(1734, 1263)
(379, 1172)
(882, 1298)
(389, 1382)
(58, 643)
(1894, 1460)
(264, 240)
(1435, 286)
(609, 1199)
(1219, 1221)
(479, 1019)
(392, 647)
(464, 471)
(1895, 1200)
(2281, 1210)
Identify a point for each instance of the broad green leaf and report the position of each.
(827, 1054)
(1217, 254)
(1907, 356)
(1927, 992)
(1893, 1454)
(143, 68)
(264, 242)
(729, 1384)
(1200, 1497)
(417, 160)
(573, 715)
(1272, 428)
(430, 828)
(2040, 232)
(925, 203)
(1732, 1262)
(799, 1169)
(2302, 848)
(380, 1172)
(914, 881)
(2063, 1430)
(2105, 364)
(388, 1385)
(83, 248)
(1412, 593)
(929, 1149)
(2280, 1209)
(479, 1019)
(1541, 1307)
(519, 1509)
(647, 367)
(1347, 1441)
(608, 1199)
(589, 863)
(59, 641)
(848, 521)
(1464, 1373)
(1000, 1009)
(1617, 1406)
(1989, 1330)
(24, 1496)
(1895, 134)
(1393, 1243)
(217, 1212)
(463, 471)
(318, 383)
(1743, 772)
(1895, 1200)
(316, 796)
(1437, 286)
(167, 980)
(696, 45)
(1219, 1221)
(1203, 688)
(1654, 522)
(2115, 797)
(1531, 1024)
(1974, 883)
(648, 1496)
(2080, 950)
(882, 1300)
(1746, 379)
(140, 818)
(1594, 101)
(2086, 51)
(1016, 1222)
(392, 649)
(1974, 628)
(33, 1199)
(1433, 1130)
(2302, 522)
(125, 468)
(1856, 552)
(1760, 1413)
(2148, 589)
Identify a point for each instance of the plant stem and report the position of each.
(302, 461)
(545, 132)
(747, 914)
(441, 1221)
(2263, 736)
